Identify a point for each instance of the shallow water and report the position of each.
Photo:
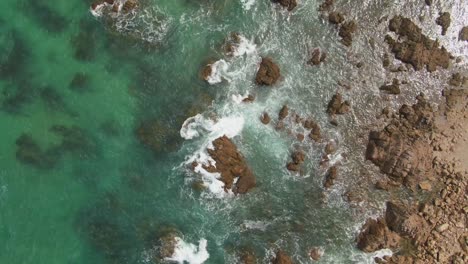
(93, 193)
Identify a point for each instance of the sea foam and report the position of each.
(189, 253)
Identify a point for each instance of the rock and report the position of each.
(336, 18)
(316, 253)
(206, 72)
(248, 258)
(444, 21)
(265, 118)
(337, 106)
(315, 131)
(298, 157)
(463, 35)
(425, 185)
(331, 177)
(231, 165)
(268, 73)
(300, 137)
(326, 5)
(29, 152)
(281, 258)
(289, 4)
(393, 88)
(168, 243)
(375, 235)
(416, 49)
(429, 2)
(317, 57)
(330, 148)
(283, 113)
(442, 228)
(457, 80)
(346, 32)
(249, 99)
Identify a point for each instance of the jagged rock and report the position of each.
(375, 235)
(289, 4)
(331, 176)
(416, 49)
(315, 131)
(317, 57)
(444, 21)
(265, 118)
(347, 30)
(206, 72)
(283, 113)
(249, 99)
(326, 5)
(463, 35)
(393, 88)
(231, 165)
(298, 157)
(268, 73)
(338, 106)
(336, 18)
(281, 258)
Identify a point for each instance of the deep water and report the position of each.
(78, 186)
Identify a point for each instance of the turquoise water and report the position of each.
(79, 187)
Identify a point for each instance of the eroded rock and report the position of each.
(444, 21)
(289, 4)
(338, 106)
(268, 73)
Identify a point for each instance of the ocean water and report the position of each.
(76, 184)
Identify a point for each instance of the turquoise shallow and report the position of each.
(76, 184)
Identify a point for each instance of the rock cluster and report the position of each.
(268, 73)
(338, 106)
(318, 56)
(234, 171)
(298, 158)
(415, 48)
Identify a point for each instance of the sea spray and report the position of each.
(189, 253)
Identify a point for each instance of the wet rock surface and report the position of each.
(265, 119)
(347, 31)
(331, 176)
(415, 48)
(338, 106)
(317, 57)
(289, 4)
(235, 173)
(298, 158)
(393, 88)
(268, 73)
(375, 235)
(282, 258)
(444, 21)
(463, 35)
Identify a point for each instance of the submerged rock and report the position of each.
(268, 73)
(315, 131)
(463, 35)
(289, 4)
(346, 32)
(337, 106)
(317, 57)
(444, 21)
(29, 152)
(393, 88)
(80, 82)
(235, 173)
(416, 49)
(281, 258)
(283, 113)
(298, 158)
(158, 136)
(265, 119)
(326, 5)
(336, 18)
(331, 176)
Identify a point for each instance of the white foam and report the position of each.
(189, 253)
(245, 46)
(218, 72)
(247, 4)
(258, 225)
(198, 126)
(238, 99)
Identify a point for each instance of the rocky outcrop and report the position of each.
(231, 165)
(375, 235)
(326, 5)
(331, 176)
(316, 253)
(444, 21)
(415, 48)
(395, 149)
(393, 88)
(268, 73)
(298, 158)
(317, 57)
(346, 32)
(281, 258)
(265, 119)
(283, 113)
(463, 35)
(338, 106)
(158, 136)
(336, 18)
(289, 4)
(315, 131)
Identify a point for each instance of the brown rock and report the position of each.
(281, 258)
(444, 21)
(331, 177)
(283, 113)
(206, 72)
(336, 18)
(298, 158)
(416, 49)
(231, 165)
(248, 258)
(457, 80)
(347, 30)
(326, 5)
(375, 235)
(268, 73)
(393, 88)
(463, 35)
(337, 106)
(315, 133)
(317, 57)
(289, 4)
(315, 254)
(265, 118)
(249, 99)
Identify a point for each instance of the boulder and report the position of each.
(289, 4)
(337, 106)
(393, 88)
(375, 235)
(265, 119)
(336, 18)
(317, 57)
(282, 258)
(326, 5)
(283, 113)
(463, 35)
(346, 32)
(444, 21)
(268, 73)
(331, 176)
